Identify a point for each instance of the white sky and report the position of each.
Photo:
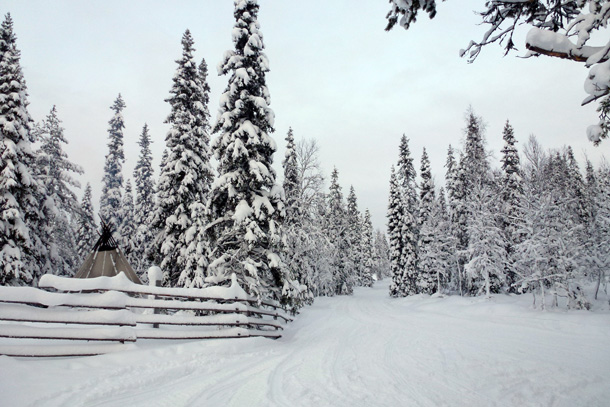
(336, 76)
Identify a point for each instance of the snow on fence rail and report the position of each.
(113, 309)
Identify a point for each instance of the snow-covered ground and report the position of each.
(365, 350)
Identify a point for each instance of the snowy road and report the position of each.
(365, 350)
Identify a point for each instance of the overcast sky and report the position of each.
(336, 76)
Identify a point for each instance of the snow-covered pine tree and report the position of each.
(426, 189)
(368, 251)
(144, 204)
(292, 183)
(475, 163)
(110, 201)
(246, 204)
(512, 193)
(426, 279)
(55, 171)
(395, 215)
(86, 228)
(404, 273)
(23, 252)
(337, 229)
(127, 228)
(186, 174)
(576, 187)
(354, 234)
(299, 230)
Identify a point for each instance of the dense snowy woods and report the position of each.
(535, 225)
(289, 241)
(538, 223)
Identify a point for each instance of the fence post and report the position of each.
(155, 276)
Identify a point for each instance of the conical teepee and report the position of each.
(106, 259)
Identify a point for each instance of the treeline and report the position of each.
(535, 225)
(200, 224)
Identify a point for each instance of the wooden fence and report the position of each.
(107, 314)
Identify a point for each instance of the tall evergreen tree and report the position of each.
(246, 204)
(56, 173)
(186, 175)
(404, 272)
(110, 202)
(354, 233)
(368, 251)
(127, 229)
(144, 204)
(512, 193)
(426, 189)
(338, 233)
(23, 253)
(86, 228)
(292, 183)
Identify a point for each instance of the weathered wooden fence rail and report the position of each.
(114, 309)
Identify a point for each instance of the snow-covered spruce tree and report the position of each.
(512, 194)
(368, 251)
(337, 229)
(426, 189)
(454, 186)
(55, 171)
(144, 204)
(426, 276)
(127, 228)
(404, 273)
(475, 163)
(354, 238)
(186, 174)
(23, 252)
(486, 250)
(576, 186)
(292, 183)
(299, 230)
(86, 234)
(395, 216)
(246, 204)
(110, 201)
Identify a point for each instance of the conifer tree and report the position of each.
(338, 233)
(86, 228)
(186, 174)
(127, 228)
(292, 184)
(144, 204)
(512, 193)
(395, 215)
(475, 164)
(404, 272)
(246, 204)
(56, 171)
(23, 253)
(368, 251)
(110, 202)
(426, 189)
(354, 233)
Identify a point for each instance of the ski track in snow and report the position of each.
(365, 350)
